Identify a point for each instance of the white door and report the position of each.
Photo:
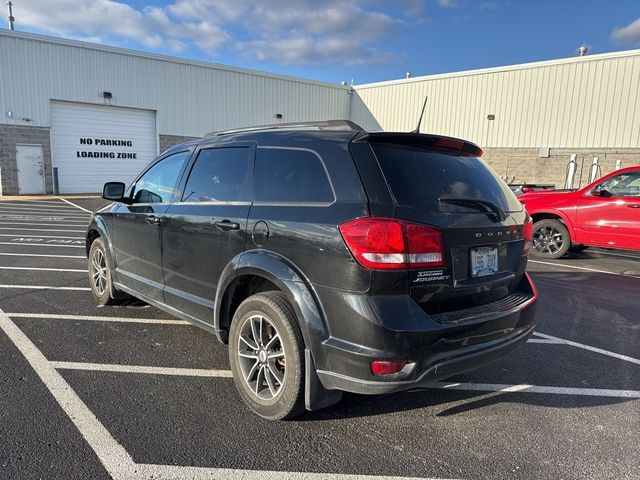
(94, 144)
(30, 162)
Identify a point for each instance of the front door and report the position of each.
(30, 162)
(137, 227)
(207, 228)
(612, 217)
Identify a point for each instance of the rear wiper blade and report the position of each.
(486, 205)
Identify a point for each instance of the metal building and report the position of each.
(529, 118)
(94, 112)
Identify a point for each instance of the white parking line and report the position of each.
(42, 229)
(33, 202)
(111, 454)
(40, 255)
(77, 206)
(558, 265)
(44, 316)
(43, 210)
(525, 388)
(43, 225)
(174, 472)
(44, 269)
(542, 340)
(103, 367)
(21, 244)
(39, 236)
(45, 287)
(590, 348)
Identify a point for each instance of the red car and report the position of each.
(605, 214)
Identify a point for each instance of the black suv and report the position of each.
(328, 258)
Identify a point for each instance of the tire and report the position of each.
(550, 239)
(278, 379)
(577, 248)
(101, 286)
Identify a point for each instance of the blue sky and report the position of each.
(344, 40)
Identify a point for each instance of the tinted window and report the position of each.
(158, 184)
(291, 176)
(623, 185)
(220, 174)
(418, 178)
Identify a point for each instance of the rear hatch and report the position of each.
(443, 183)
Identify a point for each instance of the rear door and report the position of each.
(612, 218)
(205, 229)
(480, 218)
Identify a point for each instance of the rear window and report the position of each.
(418, 178)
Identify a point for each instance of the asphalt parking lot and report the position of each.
(130, 392)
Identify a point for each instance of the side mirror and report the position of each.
(598, 191)
(113, 191)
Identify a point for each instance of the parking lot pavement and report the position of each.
(130, 392)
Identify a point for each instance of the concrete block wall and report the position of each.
(10, 135)
(527, 166)
(168, 141)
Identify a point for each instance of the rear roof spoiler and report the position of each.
(432, 142)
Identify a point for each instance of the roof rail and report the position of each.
(346, 125)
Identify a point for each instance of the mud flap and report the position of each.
(316, 396)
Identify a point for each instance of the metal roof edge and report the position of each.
(164, 58)
(505, 68)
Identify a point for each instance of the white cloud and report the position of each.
(629, 35)
(109, 21)
(281, 31)
(448, 3)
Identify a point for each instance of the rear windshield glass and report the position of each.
(418, 178)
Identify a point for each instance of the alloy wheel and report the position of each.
(261, 357)
(548, 240)
(99, 272)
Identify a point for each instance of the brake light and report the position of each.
(527, 234)
(449, 143)
(389, 244)
(387, 367)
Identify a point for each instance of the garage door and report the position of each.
(92, 144)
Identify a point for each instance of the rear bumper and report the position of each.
(433, 350)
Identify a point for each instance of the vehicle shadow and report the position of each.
(447, 403)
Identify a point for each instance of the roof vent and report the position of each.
(583, 50)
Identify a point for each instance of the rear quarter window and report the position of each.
(291, 176)
(418, 178)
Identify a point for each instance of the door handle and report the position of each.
(226, 225)
(634, 205)
(153, 220)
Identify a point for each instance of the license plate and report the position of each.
(484, 261)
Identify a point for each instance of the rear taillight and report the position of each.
(389, 244)
(527, 234)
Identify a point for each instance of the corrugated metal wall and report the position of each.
(190, 99)
(585, 102)
(588, 102)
